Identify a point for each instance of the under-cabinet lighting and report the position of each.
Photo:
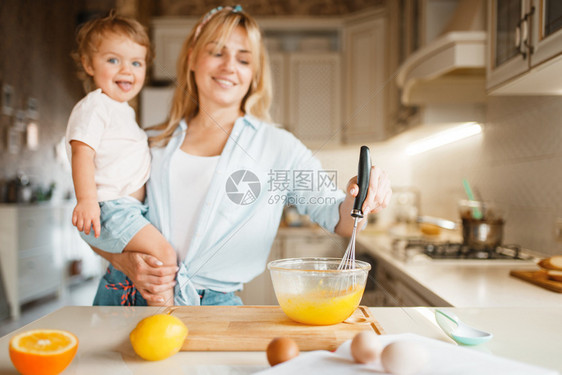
(445, 137)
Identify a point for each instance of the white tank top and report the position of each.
(190, 177)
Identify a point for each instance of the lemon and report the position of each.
(158, 337)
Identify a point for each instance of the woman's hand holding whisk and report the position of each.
(378, 197)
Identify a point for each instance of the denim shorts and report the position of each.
(211, 297)
(121, 219)
(116, 289)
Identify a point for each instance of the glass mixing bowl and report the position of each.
(313, 291)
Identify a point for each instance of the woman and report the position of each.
(217, 166)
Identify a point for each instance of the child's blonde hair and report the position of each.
(91, 34)
(217, 26)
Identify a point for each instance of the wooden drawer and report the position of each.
(38, 273)
(36, 227)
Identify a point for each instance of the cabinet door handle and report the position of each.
(524, 36)
(525, 40)
(521, 34)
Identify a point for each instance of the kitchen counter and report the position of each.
(460, 283)
(526, 334)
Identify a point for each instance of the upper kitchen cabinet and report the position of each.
(313, 102)
(447, 70)
(525, 47)
(364, 67)
(168, 35)
(306, 72)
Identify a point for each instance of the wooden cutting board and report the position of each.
(251, 328)
(539, 278)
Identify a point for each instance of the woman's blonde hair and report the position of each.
(217, 26)
(91, 34)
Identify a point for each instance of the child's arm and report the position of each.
(87, 211)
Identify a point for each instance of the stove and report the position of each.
(456, 251)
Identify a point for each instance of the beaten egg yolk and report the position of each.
(320, 307)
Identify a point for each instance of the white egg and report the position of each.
(404, 358)
(366, 347)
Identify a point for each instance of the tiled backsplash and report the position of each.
(516, 162)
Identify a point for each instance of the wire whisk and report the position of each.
(363, 177)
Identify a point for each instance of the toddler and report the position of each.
(109, 153)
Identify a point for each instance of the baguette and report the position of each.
(554, 275)
(430, 229)
(553, 263)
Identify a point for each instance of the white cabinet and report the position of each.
(30, 260)
(37, 245)
(524, 47)
(168, 36)
(314, 98)
(307, 95)
(364, 53)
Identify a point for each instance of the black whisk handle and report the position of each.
(363, 177)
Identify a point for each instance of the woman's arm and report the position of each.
(146, 272)
(378, 197)
(86, 214)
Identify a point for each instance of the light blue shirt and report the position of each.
(260, 170)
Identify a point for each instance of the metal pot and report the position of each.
(482, 234)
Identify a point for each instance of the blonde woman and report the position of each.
(222, 172)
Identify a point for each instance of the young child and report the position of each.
(109, 153)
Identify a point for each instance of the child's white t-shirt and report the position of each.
(122, 159)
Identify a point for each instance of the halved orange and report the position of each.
(43, 351)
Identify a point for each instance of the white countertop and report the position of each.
(463, 283)
(528, 335)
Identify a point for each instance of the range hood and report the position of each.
(451, 68)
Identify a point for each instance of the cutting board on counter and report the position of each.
(539, 278)
(251, 328)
